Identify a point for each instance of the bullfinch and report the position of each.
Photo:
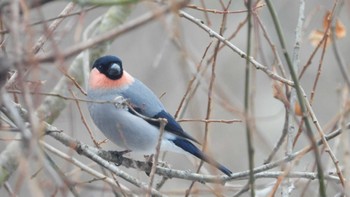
(124, 126)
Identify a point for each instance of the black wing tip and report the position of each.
(224, 170)
(191, 148)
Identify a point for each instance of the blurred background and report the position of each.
(165, 54)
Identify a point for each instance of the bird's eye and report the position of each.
(115, 71)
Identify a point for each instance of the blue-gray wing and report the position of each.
(145, 102)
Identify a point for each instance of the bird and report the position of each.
(125, 126)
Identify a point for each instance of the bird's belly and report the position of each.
(125, 129)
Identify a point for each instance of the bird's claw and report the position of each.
(118, 155)
(149, 161)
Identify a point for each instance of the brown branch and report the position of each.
(82, 117)
(111, 34)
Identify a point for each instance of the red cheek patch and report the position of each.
(98, 80)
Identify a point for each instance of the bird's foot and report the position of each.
(118, 155)
(148, 158)
(149, 161)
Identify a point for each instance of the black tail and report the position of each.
(191, 148)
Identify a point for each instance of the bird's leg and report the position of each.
(149, 158)
(149, 161)
(118, 155)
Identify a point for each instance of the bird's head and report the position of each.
(110, 66)
(107, 72)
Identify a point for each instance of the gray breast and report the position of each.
(121, 127)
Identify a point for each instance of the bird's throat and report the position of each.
(98, 80)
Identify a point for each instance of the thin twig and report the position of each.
(5, 31)
(272, 46)
(290, 127)
(255, 63)
(340, 60)
(324, 141)
(301, 99)
(163, 122)
(247, 103)
(210, 120)
(190, 85)
(52, 27)
(62, 97)
(280, 140)
(210, 93)
(222, 11)
(82, 117)
(232, 36)
(309, 108)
